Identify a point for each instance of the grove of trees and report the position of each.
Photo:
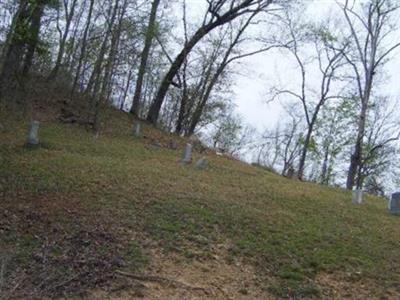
(175, 64)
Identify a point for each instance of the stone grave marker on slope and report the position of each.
(137, 128)
(394, 204)
(172, 144)
(357, 196)
(187, 154)
(156, 143)
(201, 164)
(33, 135)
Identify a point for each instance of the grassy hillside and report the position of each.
(79, 208)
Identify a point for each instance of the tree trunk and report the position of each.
(83, 48)
(304, 152)
(169, 77)
(325, 164)
(356, 157)
(307, 141)
(34, 29)
(205, 95)
(53, 74)
(14, 47)
(128, 81)
(196, 117)
(181, 115)
(112, 57)
(94, 81)
(135, 109)
(71, 57)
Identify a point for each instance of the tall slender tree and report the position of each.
(149, 36)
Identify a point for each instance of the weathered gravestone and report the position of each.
(187, 154)
(290, 173)
(357, 196)
(155, 143)
(33, 135)
(201, 164)
(137, 130)
(173, 144)
(394, 204)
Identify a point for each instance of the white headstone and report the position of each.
(33, 135)
(394, 204)
(187, 154)
(357, 196)
(137, 130)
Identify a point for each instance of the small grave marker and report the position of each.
(173, 144)
(187, 154)
(202, 163)
(357, 196)
(290, 173)
(394, 204)
(33, 135)
(155, 143)
(137, 130)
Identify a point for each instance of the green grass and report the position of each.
(289, 231)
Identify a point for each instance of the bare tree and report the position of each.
(333, 136)
(112, 55)
(328, 60)
(69, 14)
(83, 46)
(370, 31)
(280, 147)
(219, 13)
(93, 85)
(230, 53)
(382, 133)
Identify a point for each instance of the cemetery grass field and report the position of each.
(79, 209)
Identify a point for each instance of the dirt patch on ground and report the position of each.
(177, 278)
(50, 248)
(348, 286)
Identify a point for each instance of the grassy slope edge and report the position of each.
(80, 207)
